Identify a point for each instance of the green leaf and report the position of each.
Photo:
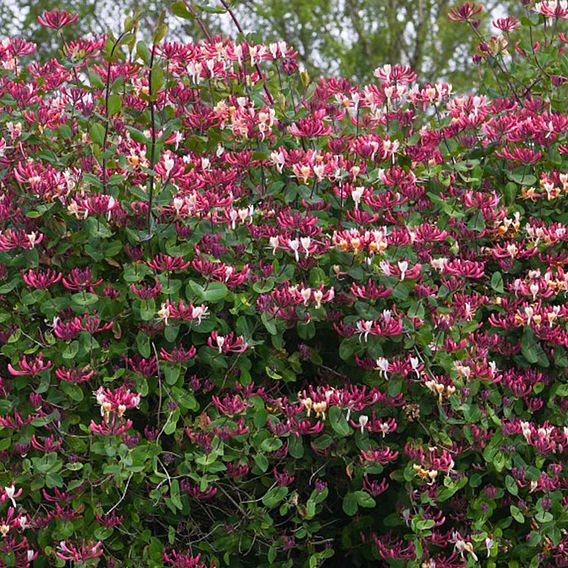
(521, 177)
(364, 499)
(43, 420)
(350, 505)
(261, 461)
(53, 479)
(85, 298)
(446, 492)
(171, 332)
(147, 309)
(70, 350)
(185, 399)
(171, 373)
(97, 133)
(346, 349)
(338, 421)
(271, 445)
(269, 324)
(511, 485)
(296, 447)
(510, 192)
(215, 292)
(529, 346)
(5, 288)
(212, 9)
(160, 32)
(497, 282)
(263, 286)
(181, 10)
(143, 344)
(175, 494)
(95, 79)
(517, 515)
(65, 131)
(114, 104)
(274, 496)
(157, 80)
(74, 392)
(171, 424)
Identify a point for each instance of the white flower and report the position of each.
(306, 242)
(415, 363)
(383, 366)
(318, 296)
(220, 342)
(32, 238)
(403, 267)
(199, 312)
(273, 241)
(363, 421)
(164, 313)
(461, 546)
(384, 428)
(364, 328)
(10, 492)
(294, 245)
(357, 194)
(308, 404)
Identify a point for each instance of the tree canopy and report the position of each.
(346, 37)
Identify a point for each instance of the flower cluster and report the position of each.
(252, 319)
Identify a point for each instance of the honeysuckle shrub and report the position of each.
(250, 319)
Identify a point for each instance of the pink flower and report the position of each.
(310, 127)
(81, 553)
(30, 368)
(521, 155)
(57, 19)
(379, 455)
(465, 12)
(47, 445)
(229, 405)
(9, 493)
(507, 24)
(81, 279)
(195, 491)
(41, 279)
(178, 354)
(147, 292)
(552, 9)
(227, 343)
(115, 426)
(165, 263)
(374, 487)
(73, 375)
(179, 560)
(12, 239)
(117, 400)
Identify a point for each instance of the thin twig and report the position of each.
(122, 497)
(153, 146)
(199, 21)
(107, 95)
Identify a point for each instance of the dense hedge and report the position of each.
(250, 319)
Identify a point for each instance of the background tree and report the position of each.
(346, 37)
